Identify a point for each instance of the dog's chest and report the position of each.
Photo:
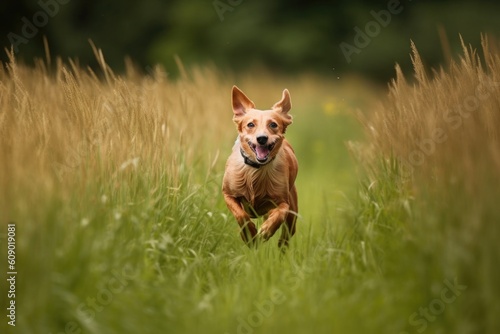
(262, 187)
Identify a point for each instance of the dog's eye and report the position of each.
(251, 125)
(273, 125)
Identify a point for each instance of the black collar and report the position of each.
(250, 162)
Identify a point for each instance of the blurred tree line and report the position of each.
(329, 37)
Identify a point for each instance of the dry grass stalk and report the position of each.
(59, 127)
(444, 127)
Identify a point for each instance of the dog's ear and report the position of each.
(240, 102)
(285, 104)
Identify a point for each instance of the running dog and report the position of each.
(259, 179)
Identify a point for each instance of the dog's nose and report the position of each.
(262, 140)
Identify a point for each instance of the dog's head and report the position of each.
(261, 132)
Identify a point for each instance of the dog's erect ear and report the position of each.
(240, 102)
(285, 104)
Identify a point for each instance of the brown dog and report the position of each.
(261, 171)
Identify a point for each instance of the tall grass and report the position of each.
(113, 182)
(435, 165)
(102, 173)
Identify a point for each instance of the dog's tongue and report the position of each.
(262, 152)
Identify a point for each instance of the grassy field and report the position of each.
(113, 184)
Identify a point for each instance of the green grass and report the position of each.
(190, 272)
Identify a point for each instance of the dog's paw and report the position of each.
(264, 234)
(268, 228)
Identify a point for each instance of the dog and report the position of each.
(260, 173)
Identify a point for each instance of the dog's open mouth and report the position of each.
(261, 151)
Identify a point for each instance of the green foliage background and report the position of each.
(285, 36)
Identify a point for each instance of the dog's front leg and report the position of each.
(276, 217)
(248, 229)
